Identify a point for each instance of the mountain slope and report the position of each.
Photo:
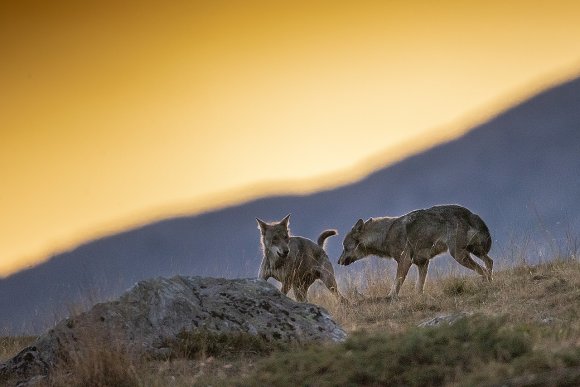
(519, 171)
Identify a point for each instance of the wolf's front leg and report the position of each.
(264, 272)
(403, 267)
(423, 266)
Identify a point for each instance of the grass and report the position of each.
(202, 344)
(524, 329)
(10, 346)
(419, 357)
(97, 366)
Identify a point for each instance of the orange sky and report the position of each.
(114, 113)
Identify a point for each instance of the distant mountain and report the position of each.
(520, 171)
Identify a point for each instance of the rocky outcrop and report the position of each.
(154, 312)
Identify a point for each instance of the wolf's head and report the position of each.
(275, 238)
(352, 245)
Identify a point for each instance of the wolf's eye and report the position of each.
(350, 245)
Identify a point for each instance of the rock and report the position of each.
(154, 312)
(448, 319)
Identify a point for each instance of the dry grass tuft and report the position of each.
(10, 346)
(99, 366)
(96, 361)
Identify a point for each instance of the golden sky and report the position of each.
(115, 113)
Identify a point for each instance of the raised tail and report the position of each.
(325, 234)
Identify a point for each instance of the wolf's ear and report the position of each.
(359, 225)
(261, 225)
(285, 220)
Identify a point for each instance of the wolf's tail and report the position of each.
(325, 234)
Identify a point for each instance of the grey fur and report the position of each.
(295, 261)
(417, 237)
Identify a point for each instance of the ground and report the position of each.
(523, 328)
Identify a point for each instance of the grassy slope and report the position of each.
(525, 329)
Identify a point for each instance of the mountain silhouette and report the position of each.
(520, 171)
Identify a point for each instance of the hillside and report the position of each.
(519, 171)
(521, 329)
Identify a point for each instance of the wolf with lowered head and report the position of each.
(417, 237)
(295, 261)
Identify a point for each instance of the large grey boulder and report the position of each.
(154, 312)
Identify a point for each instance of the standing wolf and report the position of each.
(419, 236)
(295, 261)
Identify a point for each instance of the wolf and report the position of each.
(295, 261)
(418, 236)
